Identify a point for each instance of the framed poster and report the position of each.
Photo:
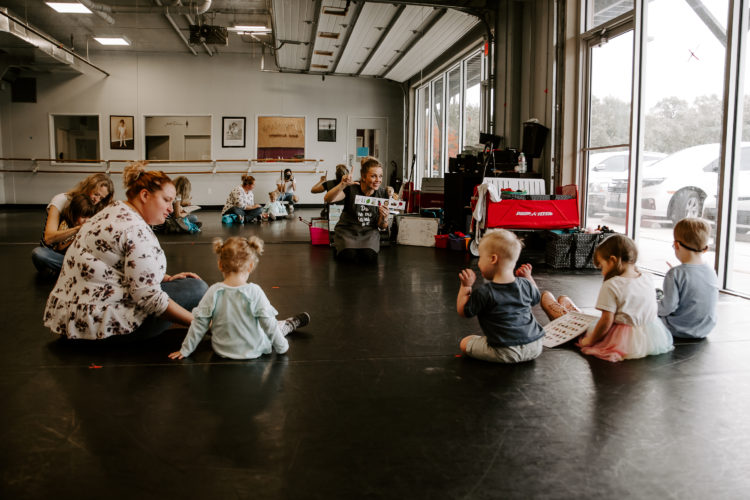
(121, 132)
(281, 137)
(233, 132)
(326, 129)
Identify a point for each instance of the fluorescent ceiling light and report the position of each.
(109, 40)
(69, 8)
(250, 29)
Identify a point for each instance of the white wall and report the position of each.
(167, 84)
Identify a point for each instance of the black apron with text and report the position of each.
(358, 226)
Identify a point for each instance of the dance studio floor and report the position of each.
(372, 400)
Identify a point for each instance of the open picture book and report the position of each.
(566, 328)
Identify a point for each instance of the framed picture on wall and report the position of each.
(326, 129)
(233, 132)
(121, 132)
(281, 137)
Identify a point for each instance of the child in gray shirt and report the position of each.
(691, 290)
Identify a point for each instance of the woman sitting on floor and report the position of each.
(241, 202)
(357, 235)
(48, 260)
(113, 282)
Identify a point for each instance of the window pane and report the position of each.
(599, 12)
(609, 126)
(437, 128)
(684, 79)
(472, 100)
(454, 112)
(423, 131)
(738, 269)
(76, 137)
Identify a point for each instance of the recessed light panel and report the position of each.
(69, 7)
(111, 40)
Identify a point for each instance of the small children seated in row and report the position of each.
(502, 305)
(628, 327)
(242, 321)
(691, 290)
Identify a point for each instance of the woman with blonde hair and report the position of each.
(46, 259)
(114, 282)
(357, 235)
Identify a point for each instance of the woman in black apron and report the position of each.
(357, 235)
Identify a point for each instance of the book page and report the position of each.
(566, 328)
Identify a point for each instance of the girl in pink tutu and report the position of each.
(629, 327)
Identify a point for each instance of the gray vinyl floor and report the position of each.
(373, 399)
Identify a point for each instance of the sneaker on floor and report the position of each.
(298, 321)
(291, 209)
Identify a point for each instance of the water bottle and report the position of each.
(522, 163)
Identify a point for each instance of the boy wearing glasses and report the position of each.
(691, 290)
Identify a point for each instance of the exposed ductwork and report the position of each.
(106, 11)
(100, 10)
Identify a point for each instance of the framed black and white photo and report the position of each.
(121, 132)
(233, 132)
(326, 129)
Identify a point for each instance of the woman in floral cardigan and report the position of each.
(113, 281)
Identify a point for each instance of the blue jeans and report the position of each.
(287, 197)
(187, 292)
(47, 260)
(246, 215)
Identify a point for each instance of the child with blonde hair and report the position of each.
(242, 321)
(502, 305)
(628, 327)
(691, 290)
(274, 209)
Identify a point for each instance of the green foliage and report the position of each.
(671, 125)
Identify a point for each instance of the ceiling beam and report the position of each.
(469, 6)
(426, 26)
(176, 28)
(352, 22)
(314, 33)
(383, 36)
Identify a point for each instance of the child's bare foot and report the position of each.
(550, 306)
(567, 303)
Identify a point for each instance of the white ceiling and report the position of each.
(365, 38)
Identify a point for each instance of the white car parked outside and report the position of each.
(606, 167)
(677, 186)
(742, 204)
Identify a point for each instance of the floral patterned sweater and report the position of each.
(238, 197)
(111, 278)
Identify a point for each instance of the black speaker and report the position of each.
(458, 189)
(534, 137)
(23, 90)
(205, 33)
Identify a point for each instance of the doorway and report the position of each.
(367, 137)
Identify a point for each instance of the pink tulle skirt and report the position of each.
(631, 342)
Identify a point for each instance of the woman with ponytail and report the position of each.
(113, 281)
